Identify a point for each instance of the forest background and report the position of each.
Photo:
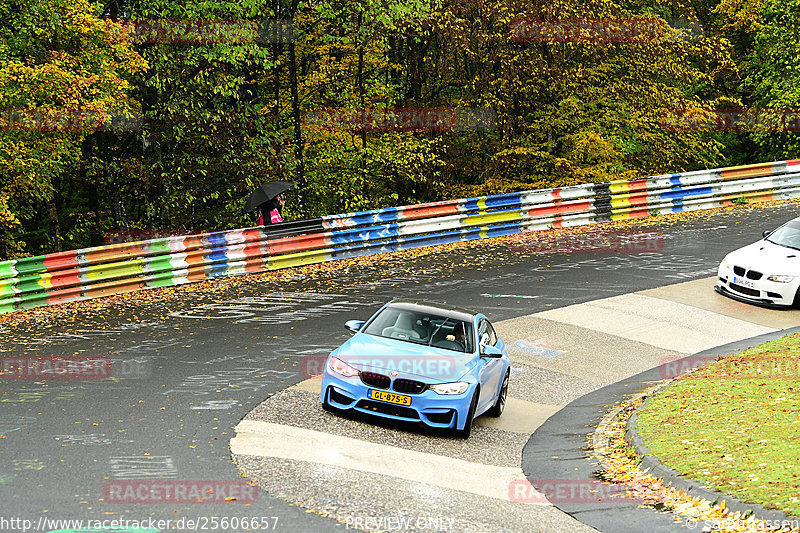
(161, 116)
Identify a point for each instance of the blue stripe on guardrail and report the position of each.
(685, 193)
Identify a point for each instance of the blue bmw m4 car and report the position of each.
(422, 362)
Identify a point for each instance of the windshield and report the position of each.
(787, 235)
(422, 328)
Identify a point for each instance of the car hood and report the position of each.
(767, 258)
(386, 356)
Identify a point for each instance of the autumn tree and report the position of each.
(575, 107)
(772, 79)
(61, 78)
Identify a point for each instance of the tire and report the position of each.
(500, 404)
(465, 433)
(796, 303)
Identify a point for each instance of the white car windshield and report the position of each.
(422, 328)
(787, 235)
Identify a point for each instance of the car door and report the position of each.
(491, 368)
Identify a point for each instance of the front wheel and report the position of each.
(796, 303)
(465, 433)
(500, 404)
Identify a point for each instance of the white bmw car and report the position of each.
(766, 272)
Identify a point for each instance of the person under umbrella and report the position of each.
(268, 202)
(273, 208)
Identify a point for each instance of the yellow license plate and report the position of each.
(389, 397)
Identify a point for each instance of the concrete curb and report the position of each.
(558, 450)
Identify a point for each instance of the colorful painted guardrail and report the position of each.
(118, 268)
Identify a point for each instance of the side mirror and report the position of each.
(766, 234)
(354, 325)
(491, 351)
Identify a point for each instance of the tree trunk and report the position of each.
(53, 209)
(300, 180)
(361, 78)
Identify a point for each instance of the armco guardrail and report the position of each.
(94, 272)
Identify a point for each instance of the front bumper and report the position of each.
(760, 292)
(429, 408)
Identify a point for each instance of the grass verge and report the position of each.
(735, 425)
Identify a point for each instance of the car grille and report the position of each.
(745, 290)
(379, 381)
(409, 386)
(749, 274)
(388, 409)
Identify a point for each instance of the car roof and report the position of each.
(450, 311)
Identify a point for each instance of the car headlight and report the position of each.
(781, 279)
(458, 387)
(337, 366)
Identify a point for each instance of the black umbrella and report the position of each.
(265, 193)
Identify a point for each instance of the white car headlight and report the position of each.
(337, 366)
(781, 279)
(458, 387)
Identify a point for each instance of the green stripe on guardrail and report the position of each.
(162, 279)
(7, 269)
(31, 284)
(159, 246)
(7, 307)
(30, 265)
(159, 264)
(31, 300)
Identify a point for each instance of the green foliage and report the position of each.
(773, 76)
(57, 60)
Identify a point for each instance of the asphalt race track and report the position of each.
(187, 371)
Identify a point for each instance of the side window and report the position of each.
(486, 334)
(492, 334)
